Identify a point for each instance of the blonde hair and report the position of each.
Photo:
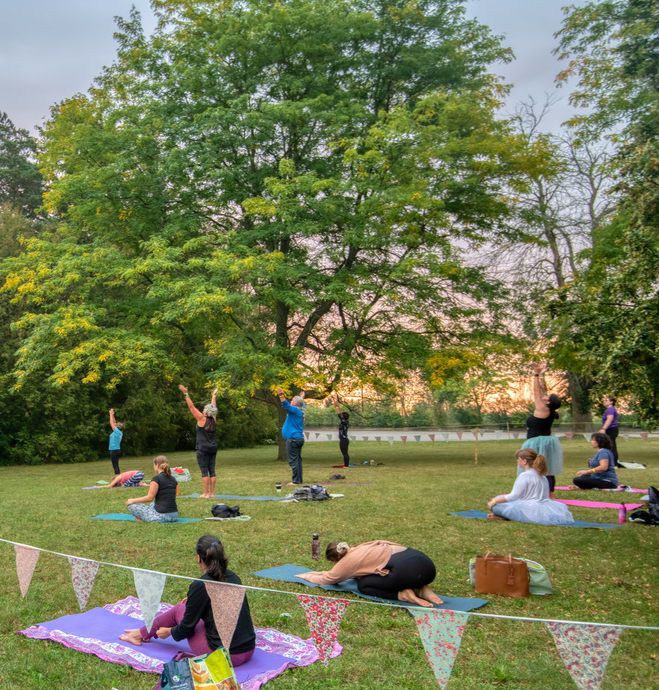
(336, 550)
(535, 461)
(162, 463)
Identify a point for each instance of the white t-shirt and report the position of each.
(529, 486)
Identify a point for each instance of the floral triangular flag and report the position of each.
(317, 435)
(364, 438)
(515, 435)
(445, 436)
(459, 433)
(585, 650)
(391, 440)
(26, 562)
(329, 437)
(306, 434)
(226, 602)
(378, 438)
(149, 586)
(324, 616)
(403, 439)
(441, 633)
(417, 438)
(431, 437)
(83, 574)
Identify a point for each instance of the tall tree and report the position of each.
(270, 193)
(21, 184)
(614, 51)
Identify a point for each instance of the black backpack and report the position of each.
(651, 515)
(311, 493)
(224, 511)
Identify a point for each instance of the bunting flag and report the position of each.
(306, 434)
(149, 586)
(403, 439)
(365, 438)
(431, 437)
(324, 616)
(644, 435)
(83, 574)
(329, 436)
(26, 562)
(499, 434)
(317, 435)
(391, 440)
(445, 437)
(459, 433)
(586, 436)
(515, 435)
(226, 602)
(441, 633)
(585, 650)
(569, 435)
(378, 438)
(417, 438)
(353, 438)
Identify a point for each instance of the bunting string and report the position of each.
(320, 596)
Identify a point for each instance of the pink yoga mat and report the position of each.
(574, 488)
(599, 504)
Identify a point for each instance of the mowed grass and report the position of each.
(598, 575)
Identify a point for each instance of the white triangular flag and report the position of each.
(26, 562)
(149, 586)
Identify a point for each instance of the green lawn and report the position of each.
(598, 575)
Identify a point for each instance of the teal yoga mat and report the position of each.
(287, 573)
(131, 518)
(577, 523)
(239, 498)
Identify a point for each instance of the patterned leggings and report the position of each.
(148, 513)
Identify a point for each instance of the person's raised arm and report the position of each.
(335, 402)
(113, 423)
(540, 388)
(193, 410)
(213, 398)
(280, 394)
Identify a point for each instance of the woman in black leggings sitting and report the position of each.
(601, 472)
(383, 569)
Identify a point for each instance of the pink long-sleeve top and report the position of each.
(369, 558)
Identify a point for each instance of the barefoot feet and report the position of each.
(410, 597)
(133, 637)
(427, 594)
(492, 516)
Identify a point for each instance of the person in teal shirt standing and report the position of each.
(293, 432)
(115, 442)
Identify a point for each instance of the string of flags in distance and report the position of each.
(460, 435)
(584, 647)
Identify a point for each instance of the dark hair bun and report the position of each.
(554, 402)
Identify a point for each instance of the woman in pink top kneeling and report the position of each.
(383, 569)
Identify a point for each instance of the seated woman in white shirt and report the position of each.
(529, 500)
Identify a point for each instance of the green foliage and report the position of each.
(268, 193)
(21, 183)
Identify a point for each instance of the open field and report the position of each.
(598, 575)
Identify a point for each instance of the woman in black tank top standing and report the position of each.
(538, 427)
(206, 441)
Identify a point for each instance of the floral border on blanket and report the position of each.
(300, 652)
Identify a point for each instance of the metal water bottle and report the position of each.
(315, 547)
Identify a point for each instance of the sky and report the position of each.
(53, 49)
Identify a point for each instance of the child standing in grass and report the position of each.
(115, 441)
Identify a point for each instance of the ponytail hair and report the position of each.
(162, 463)
(211, 552)
(336, 550)
(535, 461)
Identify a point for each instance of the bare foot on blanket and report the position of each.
(408, 596)
(427, 594)
(492, 516)
(132, 636)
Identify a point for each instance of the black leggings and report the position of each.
(343, 445)
(590, 482)
(612, 433)
(206, 462)
(409, 569)
(114, 457)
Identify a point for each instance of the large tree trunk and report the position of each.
(579, 390)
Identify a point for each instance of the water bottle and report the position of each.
(278, 487)
(315, 547)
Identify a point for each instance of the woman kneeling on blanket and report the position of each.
(529, 500)
(161, 496)
(193, 620)
(383, 569)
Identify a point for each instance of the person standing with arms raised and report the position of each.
(344, 425)
(115, 442)
(206, 441)
(293, 432)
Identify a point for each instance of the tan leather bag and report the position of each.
(502, 575)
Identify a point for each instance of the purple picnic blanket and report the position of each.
(97, 632)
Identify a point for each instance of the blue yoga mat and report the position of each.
(576, 523)
(131, 518)
(240, 498)
(287, 573)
